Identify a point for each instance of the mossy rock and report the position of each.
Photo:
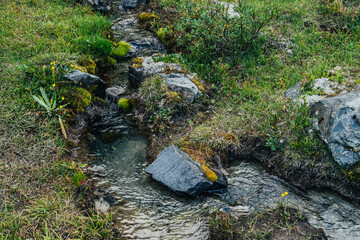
(89, 64)
(78, 99)
(147, 17)
(122, 49)
(124, 104)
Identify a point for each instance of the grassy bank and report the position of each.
(280, 223)
(252, 60)
(39, 40)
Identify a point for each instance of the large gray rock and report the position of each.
(179, 82)
(148, 68)
(339, 124)
(175, 169)
(85, 80)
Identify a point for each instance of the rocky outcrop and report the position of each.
(175, 169)
(113, 93)
(338, 120)
(179, 82)
(173, 74)
(84, 80)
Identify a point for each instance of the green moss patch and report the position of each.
(124, 104)
(122, 49)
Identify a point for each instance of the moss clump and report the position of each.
(110, 61)
(89, 64)
(147, 17)
(122, 49)
(162, 35)
(136, 62)
(124, 104)
(78, 99)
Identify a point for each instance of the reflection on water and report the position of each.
(145, 210)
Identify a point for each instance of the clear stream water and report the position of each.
(145, 209)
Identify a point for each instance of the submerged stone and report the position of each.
(175, 169)
(338, 120)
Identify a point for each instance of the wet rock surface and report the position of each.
(175, 169)
(86, 80)
(339, 124)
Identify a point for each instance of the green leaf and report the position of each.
(45, 97)
(42, 103)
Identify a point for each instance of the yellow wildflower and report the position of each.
(286, 193)
(54, 85)
(60, 107)
(44, 67)
(283, 195)
(62, 98)
(52, 68)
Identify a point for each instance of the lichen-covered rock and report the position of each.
(175, 169)
(338, 120)
(142, 68)
(85, 80)
(178, 82)
(122, 49)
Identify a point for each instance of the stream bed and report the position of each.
(144, 209)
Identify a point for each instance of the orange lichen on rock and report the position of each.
(136, 62)
(211, 175)
(201, 157)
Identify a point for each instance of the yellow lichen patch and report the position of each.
(89, 64)
(198, 83)
(79, 68)
(173, 96)
(136, 62)
(211, 175)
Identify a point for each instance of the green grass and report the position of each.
(36, 199)
(251, 115)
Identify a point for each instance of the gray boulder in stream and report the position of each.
(338, 120)
(175, 169)
(85, 80)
